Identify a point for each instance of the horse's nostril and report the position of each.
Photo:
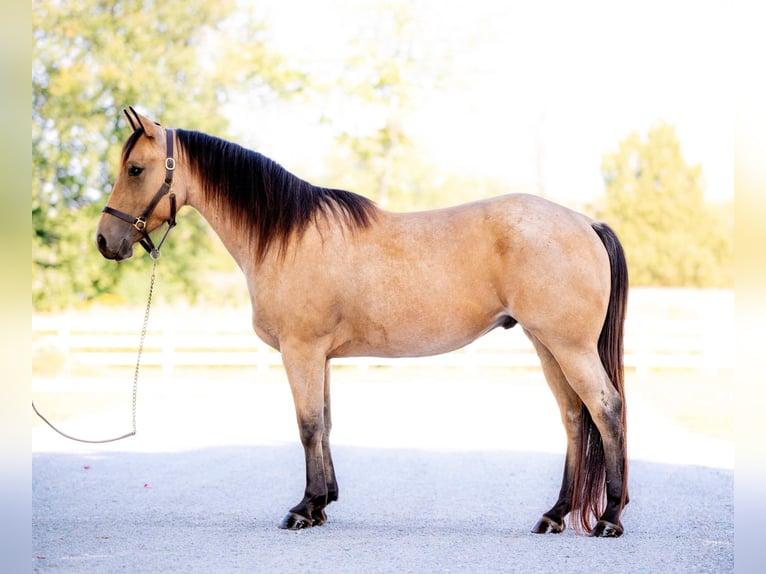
(101, 240)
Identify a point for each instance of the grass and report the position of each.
(700, 402)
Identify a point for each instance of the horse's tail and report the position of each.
(590, 479)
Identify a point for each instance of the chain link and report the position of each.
(141, 343)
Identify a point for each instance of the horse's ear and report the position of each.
(137, 120)
(131, 121)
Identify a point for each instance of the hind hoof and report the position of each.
(548, 526)
(604, 529)
(293, 521)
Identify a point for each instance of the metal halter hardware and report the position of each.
(139, 223)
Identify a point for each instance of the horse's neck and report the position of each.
(237, 242)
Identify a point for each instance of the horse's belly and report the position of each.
(416, 339)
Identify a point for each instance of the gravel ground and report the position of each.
(453, 485)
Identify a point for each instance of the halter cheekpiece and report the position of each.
(139, 223)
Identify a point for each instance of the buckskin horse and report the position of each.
(330, 274)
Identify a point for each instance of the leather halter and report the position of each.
(140, 222)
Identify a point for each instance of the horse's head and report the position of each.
(142, 198)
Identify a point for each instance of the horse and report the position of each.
(331, 274)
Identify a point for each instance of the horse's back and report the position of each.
(520, 240)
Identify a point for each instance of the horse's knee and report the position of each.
(312, 430)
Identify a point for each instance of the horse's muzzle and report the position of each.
(124, 251)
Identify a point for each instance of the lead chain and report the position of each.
(135, 375)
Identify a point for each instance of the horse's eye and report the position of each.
(135, 171)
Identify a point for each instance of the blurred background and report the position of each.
(620, 110)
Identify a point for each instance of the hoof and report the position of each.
(604, 529)
(293, 521)
(548, 526)
(319, 517)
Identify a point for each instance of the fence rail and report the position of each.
(214, 339)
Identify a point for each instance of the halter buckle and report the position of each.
(170, 163)
(139, 223)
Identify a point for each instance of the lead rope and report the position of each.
(135, 376)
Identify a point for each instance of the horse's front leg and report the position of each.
(306, 373)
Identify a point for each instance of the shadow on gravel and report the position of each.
(216, 510)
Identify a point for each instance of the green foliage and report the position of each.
(389, 67)
(412, 184)
(176, 61)
(655, 202)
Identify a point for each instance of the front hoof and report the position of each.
(318, 517)
(293, 521)
(547, 525)
(604, 529)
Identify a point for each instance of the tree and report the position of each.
(656, 204)
(176, 61)
(391, 65)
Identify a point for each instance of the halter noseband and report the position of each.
(140, 222)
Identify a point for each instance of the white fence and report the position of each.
(676, 333)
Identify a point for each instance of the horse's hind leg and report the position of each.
(605, 449)
(570, 407)
(306, 373)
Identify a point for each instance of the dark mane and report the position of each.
(261, 196)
